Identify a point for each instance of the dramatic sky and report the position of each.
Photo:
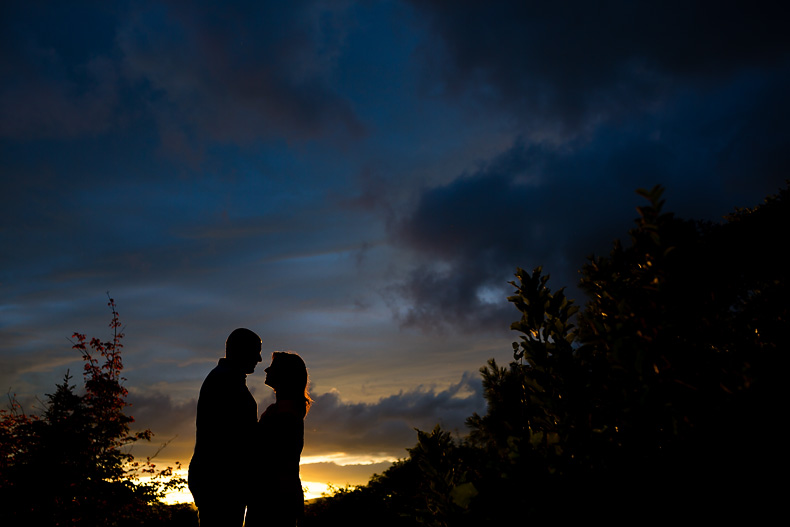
(356, 181)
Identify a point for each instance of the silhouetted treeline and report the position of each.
(660, 399)
(70, 465)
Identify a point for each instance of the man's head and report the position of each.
(243, 348)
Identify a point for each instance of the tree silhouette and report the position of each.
(660, 399)
(71, 465)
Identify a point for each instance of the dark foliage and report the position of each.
(659, 400)
(71, 465)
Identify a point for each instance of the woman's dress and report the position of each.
(277, 497)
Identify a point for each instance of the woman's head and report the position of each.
(287, 376)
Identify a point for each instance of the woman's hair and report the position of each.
(295, 382)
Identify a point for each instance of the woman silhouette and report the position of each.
(278, 499)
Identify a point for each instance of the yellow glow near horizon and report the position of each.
(178, 496)
(342, 459)
(313, 489)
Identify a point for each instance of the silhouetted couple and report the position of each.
(241, 462)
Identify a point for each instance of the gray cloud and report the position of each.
(568, 63)
(161, 414)
(381, 429)
(472, 234)
(387, 426)
(172, 423)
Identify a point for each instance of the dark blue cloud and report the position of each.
(603, 99)
(232, 73)
(563, 64)
(241, 72)
(550, 204)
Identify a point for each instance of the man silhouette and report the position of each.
(227, 415)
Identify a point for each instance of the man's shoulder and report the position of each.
(226, 368)
(222, 374)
